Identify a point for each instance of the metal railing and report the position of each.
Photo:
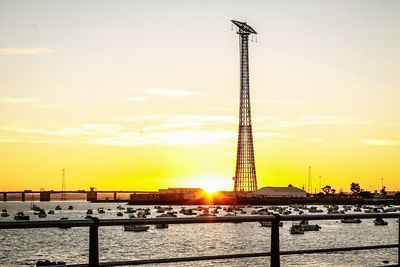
(274, 252)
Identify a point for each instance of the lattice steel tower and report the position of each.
(245, 175)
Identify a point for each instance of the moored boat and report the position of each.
(21, 216)
(314, 209)
(42, 214)
(101, 210)
(351, 220)
(35, 207)
(268, 223)
(161, 225)
(380, 221)
(309, 227)
(4, 214)
(136, 228)
(297, 229)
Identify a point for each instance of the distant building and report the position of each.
(284, 192)
(181, 193)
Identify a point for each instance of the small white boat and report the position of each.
(136, 228)
(101, 210)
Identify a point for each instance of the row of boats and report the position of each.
(304, 225)
(168, 211)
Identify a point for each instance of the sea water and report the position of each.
(24, 247)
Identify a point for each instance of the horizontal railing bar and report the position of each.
(189, 220)
(186, 259)
(339, 216)
(236, 256)
(329, 250)
(45, 224)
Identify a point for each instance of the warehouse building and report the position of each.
(283, 192)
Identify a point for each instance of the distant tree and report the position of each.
(327, 189)
(333, 191)
(290, 185)
(355, 188)
(383, 192)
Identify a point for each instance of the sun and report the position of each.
(214, 184)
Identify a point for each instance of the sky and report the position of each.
(142, 95)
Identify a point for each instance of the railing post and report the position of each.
(398, 242)
(274, 259)
(94, 242)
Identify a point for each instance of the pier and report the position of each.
(274, 254)
(46, 195)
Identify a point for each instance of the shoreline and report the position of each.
(267, 201)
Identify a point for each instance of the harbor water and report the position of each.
(24, 247)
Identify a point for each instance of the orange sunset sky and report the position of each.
(145, 94)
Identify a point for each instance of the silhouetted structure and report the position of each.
(63, 195)
(245, 175)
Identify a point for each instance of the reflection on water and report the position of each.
(26, 246)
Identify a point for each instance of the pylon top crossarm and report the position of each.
(243, 27)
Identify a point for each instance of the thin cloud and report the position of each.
(380, 142)
(180, 137)
(133, 98)
(190, 121)
(16, 100)
(316, 117)
(316, 120)
(275, 102)
(315, 140)
(26, 51)
(172, 118)
(48, 106)
(171, 92)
